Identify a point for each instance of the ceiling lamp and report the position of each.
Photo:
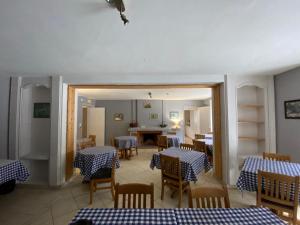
(119, 4)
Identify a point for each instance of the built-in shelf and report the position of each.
(250, 106)
(250, 121)
(36, 156)
(251, 139)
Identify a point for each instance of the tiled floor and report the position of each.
(42, 206)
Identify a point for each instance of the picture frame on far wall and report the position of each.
(153, 116)
(118, 117)
(174, 115)
(292, 109)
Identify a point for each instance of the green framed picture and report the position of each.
(41, 110)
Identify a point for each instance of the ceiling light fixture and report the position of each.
(119, 4)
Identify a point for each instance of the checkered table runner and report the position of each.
(90, 160)
(192, 162)
(125, 142)
(12, 170)
(248, 177)
(238, 216)
(127, 216)
(242, 216)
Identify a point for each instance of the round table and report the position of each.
(125, 143)
(91, 159)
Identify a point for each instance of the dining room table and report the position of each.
(173, 140)
(247, 180)
(125, 143)
(192, 162)
(92, 159)
(177, 216)
(11, 171)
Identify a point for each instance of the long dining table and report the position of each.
(213, 216)
(192, 162)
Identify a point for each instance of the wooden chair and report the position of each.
(199, 136)
(276, 157)
(209, 197)
(135, 134)
(186, 146)
(162, 142)
(139, 193)
(200, 146)
(103, 175)
(275, 192)
(121, 152)
(171, 176)
(93, 140)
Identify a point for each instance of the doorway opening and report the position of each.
(125, 114)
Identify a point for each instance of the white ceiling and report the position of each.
(157, 94)
(85, 37)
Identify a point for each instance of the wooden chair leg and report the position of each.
(113, 189)
(91, 191)
(180, 196)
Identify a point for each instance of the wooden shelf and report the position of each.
(250, 106)
(251, 139)
(250, 121)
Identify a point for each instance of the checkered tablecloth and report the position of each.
(127, 216)
(192, 162)
(238, 216)
(248, 178)
(90, 160)
(12, 170)
(173, 141)
(244, 216)
(125, 142)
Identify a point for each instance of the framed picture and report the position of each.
(118, 116)
(174, 115)
(147, 104)
(41, 110)
(153, 116)
(292, 109)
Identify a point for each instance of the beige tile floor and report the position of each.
(44, 206)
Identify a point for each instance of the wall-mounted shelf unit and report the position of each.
(250, 121)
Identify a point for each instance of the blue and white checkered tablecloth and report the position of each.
(241, 216)
(125, 142)
(173, 140)
(238, 216)
(127, 216)
(248, 178)
(192, 162)
(12, 170)
(90, 160)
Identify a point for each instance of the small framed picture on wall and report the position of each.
(292, 109)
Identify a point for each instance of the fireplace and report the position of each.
(148, 137)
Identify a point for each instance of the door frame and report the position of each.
(216, 107)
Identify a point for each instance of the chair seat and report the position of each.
(102, 173)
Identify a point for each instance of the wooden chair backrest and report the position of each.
(278, 189)
(112, 142)
(199, 136)
(170, 167)
(276, 157)
(135, 195)
(186, 146)
(162, 141)
(199, 146)
(209, 198)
